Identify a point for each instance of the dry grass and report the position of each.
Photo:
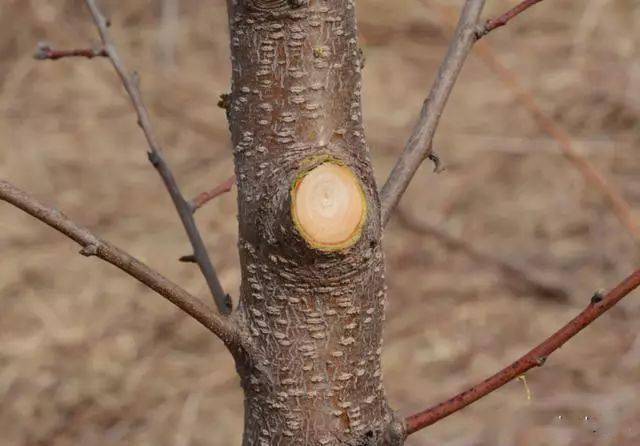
(87, 356)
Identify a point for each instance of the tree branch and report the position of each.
(419, 144)
(130, 83)
(418, 147)
(224, 328)
(613, 197)
(223, 301)
(45, 52)
(535, 358)
(204, 197)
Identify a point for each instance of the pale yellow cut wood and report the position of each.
(329, 207)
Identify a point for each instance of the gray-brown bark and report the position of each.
(313, 376)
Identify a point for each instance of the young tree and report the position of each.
(307, 334)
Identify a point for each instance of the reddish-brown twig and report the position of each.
(45, 52)
(492, 24)
(204, 197)
(612, 195)
(130, 83)
(535, 358)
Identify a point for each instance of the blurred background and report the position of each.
(489, 257)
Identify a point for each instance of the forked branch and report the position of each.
(612, 195)
(130, 83)
(418, 147)
(224, 328)
(535, 358)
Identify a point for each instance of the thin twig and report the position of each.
(225, 329)
(492, 24)
(418, 147)
(45, 52)
(535, 358)
(520, 276)
(189, 258)
(204, 197)
(130, 83)
(618, 204)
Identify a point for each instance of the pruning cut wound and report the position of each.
(328, 206)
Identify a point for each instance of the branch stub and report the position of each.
(328, 206)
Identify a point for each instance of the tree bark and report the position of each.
(312, 372)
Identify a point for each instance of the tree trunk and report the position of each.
(313, 291)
